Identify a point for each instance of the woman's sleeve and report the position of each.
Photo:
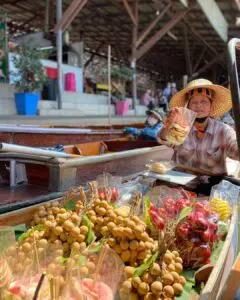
(231, 143)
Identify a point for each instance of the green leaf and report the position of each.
(63, 260)
(96, 248)
(216, 252)
(184, 213)
(147, 202)
(70, 205)
(91, 236)
(145, 266)
(39, 227)
(82, 261)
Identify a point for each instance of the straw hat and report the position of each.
(156, 112)
(220, 96)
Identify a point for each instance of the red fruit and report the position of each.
(213, 226)
(162, 211)
(160, 224)
(206, 236)
(206, 252)
(183, 231)
(15, 290)
(152, 207)
(207, 261)
(198, 206)
(190, 217)
(202, 223)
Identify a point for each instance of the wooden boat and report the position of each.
(218, 276)
(39, 136)
(85, 162)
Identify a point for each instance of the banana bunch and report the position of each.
(220, 207)
(158, 168)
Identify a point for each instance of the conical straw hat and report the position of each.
(221, 100)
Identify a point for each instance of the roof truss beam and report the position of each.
(70, 14)
(151, 26)
(159, 34)
(130, 12)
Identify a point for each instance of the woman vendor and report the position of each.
(210, 141)
(152, 126)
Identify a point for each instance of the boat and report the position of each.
(80, 163)
(48, 135)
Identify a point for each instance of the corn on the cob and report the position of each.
(221, 207)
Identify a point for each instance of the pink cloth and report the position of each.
(70, 82)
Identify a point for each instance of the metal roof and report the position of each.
(104, 22)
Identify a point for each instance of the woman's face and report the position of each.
(201, 105)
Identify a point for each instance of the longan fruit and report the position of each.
(75, 218)
(91, 213)
(143, 288)
(58, 230)
(62, 210)
(75, 232)
(168, 279)
(155, 270)
(178, 268)
(84, 230)
(167, 259)
(139, 228)
(18, 267)
(51, 268)
(125, 255)
(175, 253)
(144, 236)
(142, 255)
(168, 291)
(147, 277)
(83, 246)
(66, 247)
(141, 246)
(176, 277)
(127, 286)
(91, 266)
(111, 225)
(55, 210)
(128, 233)
(134, 255)
(104, 231)
(179, 260)
(27, 247)
(156, 287)
(148, 245)
(99, 220)
(83, 271)
(102, 211)
(63, 237)
(124, 244)
(75, 246)
(68, 225)
(117, 249)
(112, 241)
(178, 289)
(81, 238)
(171, 267)
(21, 256)
(129, 271)
(136, 281)
(133, 245)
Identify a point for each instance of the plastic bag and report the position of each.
(178, 125)
(94, 275)
(197, 235)
(108, 187)
(223, 197)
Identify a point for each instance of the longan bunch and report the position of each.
(155, 283)
(171, 268)
(46, 212)
(140, 287)
(23, 254)
(66, 229)
(127, 236)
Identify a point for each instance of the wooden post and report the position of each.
(59, 54)
(134, 60)
(109, 85)
(61, 179)
(187, 52)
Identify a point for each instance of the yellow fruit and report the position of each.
(172, 268)
(182, 280)
(124, 244)
(146, 277)
(129, 271)
(126, 255)
(143, 288)
(136, 281)
(176, 277)
(178, 289)
(133, 245)
(156, 287)
(178, 268)
(167, 258)
(179, 260)
(167, 279)
(168, 291)
(155, 270)
(127, 286)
